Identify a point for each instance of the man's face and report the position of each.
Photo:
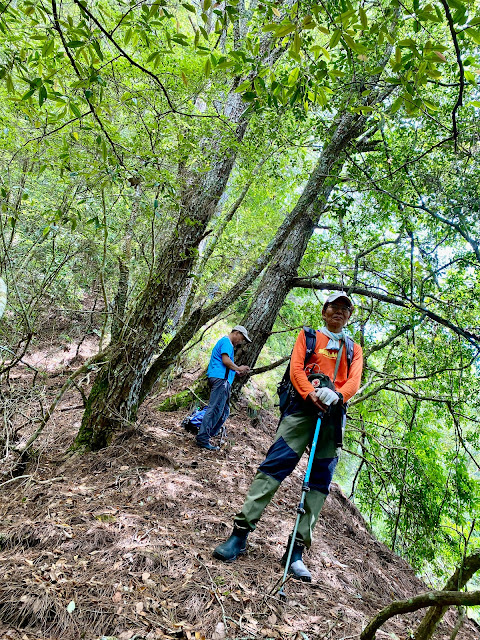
(237, 338)
(336, 315)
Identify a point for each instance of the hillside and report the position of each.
(126, 535)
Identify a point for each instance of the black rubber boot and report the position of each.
(235, 546)
(297, 568)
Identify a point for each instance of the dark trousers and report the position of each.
(217, 411)
(293, 436)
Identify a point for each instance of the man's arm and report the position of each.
(228, 362)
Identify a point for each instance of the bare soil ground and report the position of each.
(117, 544)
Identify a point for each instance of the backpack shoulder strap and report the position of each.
(311, 341)
(349, 348)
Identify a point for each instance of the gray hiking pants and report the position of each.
(217, 411)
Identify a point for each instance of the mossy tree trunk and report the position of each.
(114, 399)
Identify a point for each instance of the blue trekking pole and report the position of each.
(301, 505)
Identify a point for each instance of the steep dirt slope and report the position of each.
(118, 544)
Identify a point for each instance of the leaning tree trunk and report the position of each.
(292, 237)
(275, 284)
(114, 398)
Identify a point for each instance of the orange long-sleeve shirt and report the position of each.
(326, 360)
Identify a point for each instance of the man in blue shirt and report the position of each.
(220, 373)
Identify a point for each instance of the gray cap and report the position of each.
(243, 331)
(335, 296)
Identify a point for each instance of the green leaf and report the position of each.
(363, 110)
(9, 83)
(473, 34)
(335, 39)
(208, 67)
(396, 104)
(355, 46)
(47, 48)
(407, 42)
(430, 105)
(243, 87)
(293, 76)
(284, 30)
(42, 95)
(73, 44)
(471, 77)
(297, 42)
(75, 110)
(29, 93)
(455, 4)
(363, 17)
(152, 56)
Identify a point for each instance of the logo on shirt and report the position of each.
(328, 354)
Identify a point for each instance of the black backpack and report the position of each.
(287, 393)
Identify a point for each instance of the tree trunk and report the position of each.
(213, 242)
(120, 302)
(275, 284)
(290, 241)
(457, 581)
(115, 395)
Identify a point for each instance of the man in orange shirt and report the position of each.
(295, 433)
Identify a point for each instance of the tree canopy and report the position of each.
(166, 165)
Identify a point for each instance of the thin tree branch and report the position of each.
(269, 367)
(79, 75)
(312, 283)
(429, 599)
(459, 101)
(140, 67)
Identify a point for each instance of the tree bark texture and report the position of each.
(275, 283)
(458, 580)
(117, 390)
(283, 253)
(120, 302)
(343, 131)
(443, 598)
(115, 395)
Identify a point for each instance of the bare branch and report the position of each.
(269, 367)
(312, 283)
(431, 598)
(459, 101)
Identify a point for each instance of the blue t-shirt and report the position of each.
(216, 368)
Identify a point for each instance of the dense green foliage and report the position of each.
(99, 96)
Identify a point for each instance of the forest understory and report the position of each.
(117, 543)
